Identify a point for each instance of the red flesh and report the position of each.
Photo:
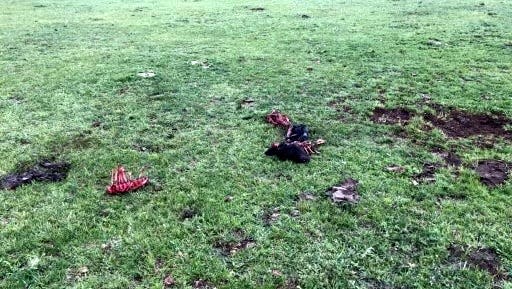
(121, 183)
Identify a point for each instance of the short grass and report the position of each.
(66, 64)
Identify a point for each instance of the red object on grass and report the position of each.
(122, 182)
(277, 118)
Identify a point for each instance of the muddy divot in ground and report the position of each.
(486, 259)
(427, 175)
(493, 172)
(460, 124)
(44, 171)
(271, 216)
(231, 247)
(391, 116)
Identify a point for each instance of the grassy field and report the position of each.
(69, 90)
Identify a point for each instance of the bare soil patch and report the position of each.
(202, 284)
(271, 216)
(188, 213)
(231, 247)
(493, 172)
(44, 171)
(428, 174)
(391, 116)
(460, 124)
(450, 158)
(486, 259)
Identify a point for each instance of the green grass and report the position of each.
(65, 64)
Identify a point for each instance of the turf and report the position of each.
(69, 89)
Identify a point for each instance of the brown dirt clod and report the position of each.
(391, 116)
(460, 124)
(493, 172)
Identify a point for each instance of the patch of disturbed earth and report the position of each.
(202, 284)
(290, 283)
(231, 247)
(461, 124)
(493, 172)
(188, 213)
(486, 259)
(391, 115)
(427, 175)
(345, 112)
(450, 158)
(43, 171)
(271, 216)
(346, 192)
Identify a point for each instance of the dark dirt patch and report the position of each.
(202, 284)
(427, 175)
(391, 116)
(344, 193)
(44, 171)
(460, 124)
(169, 281)
(449, 157)
(290, 283)
(486, 259)
(187, 213)
(229, 248)
(270, 216)
(305, 16)
(492, 172)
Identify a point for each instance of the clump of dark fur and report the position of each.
(298, 132)
(288, 151)
(44, 171)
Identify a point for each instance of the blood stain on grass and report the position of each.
(460, 124)
(391, 116)
(44, 171)
(493, 172)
